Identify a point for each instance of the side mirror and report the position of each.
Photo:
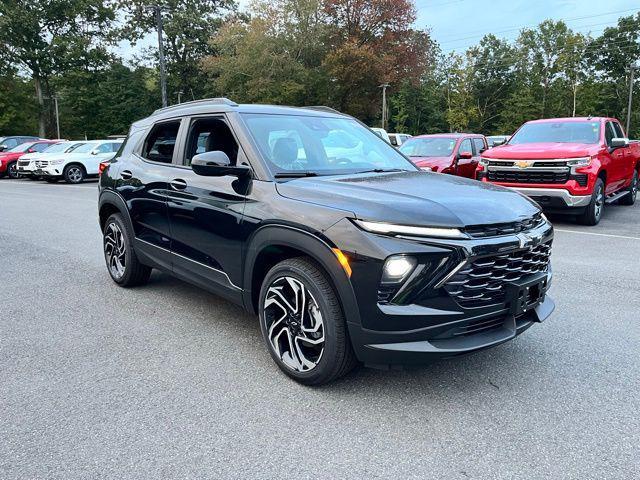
(497, 143)
(94, 152)
(465, 155)
(619, 142)
(217, 164)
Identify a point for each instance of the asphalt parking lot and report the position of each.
(167, 381)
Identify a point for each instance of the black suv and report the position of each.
(345, 250)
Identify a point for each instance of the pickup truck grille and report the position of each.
(482, 281)
(527, 176)
(482, 231)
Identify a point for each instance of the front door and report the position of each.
(205, 213)
(466, 167)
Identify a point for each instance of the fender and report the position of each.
(314, 246)
(111, 197)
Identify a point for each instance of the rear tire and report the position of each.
(302, 323)
(74, 173)
(122, 262)
(593, 211)
(630, 198)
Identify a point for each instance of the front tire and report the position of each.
(74, 173)
(593, 211)
(12, 170)
(121, 259)
(302, 323)
(630, 198)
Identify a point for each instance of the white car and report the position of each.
(27, 163)
(382, 133)
(398, 139)
(82, 162)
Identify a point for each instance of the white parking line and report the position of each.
(597, 234)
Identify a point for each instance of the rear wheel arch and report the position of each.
(273, 244)
(110, 203)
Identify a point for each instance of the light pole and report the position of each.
(163, 74)
(384, 87)
(55, 100)
(180, 96)
(632, 67)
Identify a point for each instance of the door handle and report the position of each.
(178, 184)
(126, 174)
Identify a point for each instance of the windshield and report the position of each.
(561, 132)
(57, 147)
(22, 147)
(428, 147)
(321, 145)
(85, 148)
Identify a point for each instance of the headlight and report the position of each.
(389, 228)
(396, 268)
(55, 162)
(579, 162)
(484, 162)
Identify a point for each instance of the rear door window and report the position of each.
(161, 142)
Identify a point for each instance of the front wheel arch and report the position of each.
(294, 242)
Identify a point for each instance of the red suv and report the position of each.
(452, 153)
(9, 159)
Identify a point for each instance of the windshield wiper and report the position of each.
(384, 170)
(295, 174)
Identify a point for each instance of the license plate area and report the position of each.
(528, 294)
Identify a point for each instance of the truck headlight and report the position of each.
(579, 162)
(397, 268)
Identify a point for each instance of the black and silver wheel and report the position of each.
(12, 170)
(73, 173)
(122, 263)
(302, 323)
(593, 211)
(630, 198)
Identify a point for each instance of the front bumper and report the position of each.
(48, 172)
(554, 197)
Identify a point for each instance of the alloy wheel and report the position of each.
(13, 171)
(74, 174)
(115, 250)
(634, 187)
(599, 202)
(294, 324)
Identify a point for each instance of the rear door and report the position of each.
(628, 165)
(205, 213)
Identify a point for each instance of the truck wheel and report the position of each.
(302, 323)
(73, 173)
(12, 170)
(122, 263)
(630, 198)
(593, 212)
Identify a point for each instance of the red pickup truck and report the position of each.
(567, 165)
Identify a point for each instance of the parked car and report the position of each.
(452, 153)
(356, 257)
(82, 162)
(568, 165)
(495, 140)
(397, 139)
(382, 133)
(9, 159)
(7, 143)
(27, 163)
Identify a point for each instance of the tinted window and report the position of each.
(465, 146)
(324, 145)
(609, 133)
(23, 147)
(161, 141)
(561, 132)
(10, 143)
(479, 144)
(208, 135)
(41, 147)
(618, 130)
(85, 148)
(428, 147)
(103, 148)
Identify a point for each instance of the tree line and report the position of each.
(299, 52)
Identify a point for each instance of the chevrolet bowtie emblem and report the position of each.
(524, 163)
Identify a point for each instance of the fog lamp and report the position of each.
(397, 268)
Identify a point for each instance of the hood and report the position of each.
(10, 155)
(413, 198)
(436, 163)
(536, 151)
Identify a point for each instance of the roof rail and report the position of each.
(322, 108)
(218, 101)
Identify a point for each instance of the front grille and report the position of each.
(23, 163)
(528, 176)
(42, 163)
(482, 281)
(481, 231)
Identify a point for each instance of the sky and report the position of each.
(459, 24)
